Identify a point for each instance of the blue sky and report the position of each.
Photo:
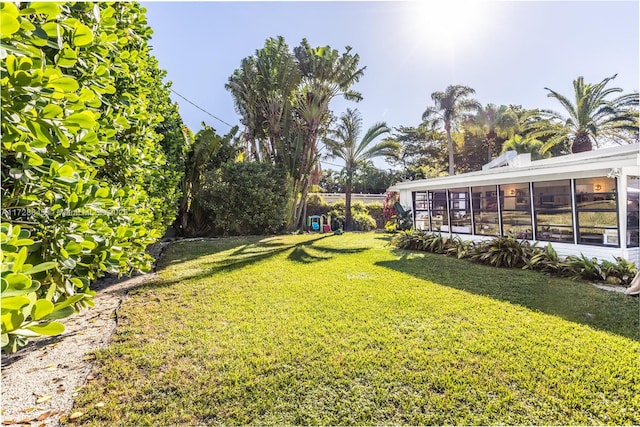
(508, 51)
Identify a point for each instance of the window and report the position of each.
(421, 209)
(485, 210)
(439, 215)
(460, 210)
(515, 203)
(553, 213)
(597, 211)
(633, 211)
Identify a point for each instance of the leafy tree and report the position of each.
(208, 152)
(283, 99)
(469, 151)
(450, 107)
(592, 118)
(343, 143)
(369, 179)
(332, 181)
(423, 153)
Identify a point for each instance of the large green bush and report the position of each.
(85, 184)
(245, 198)
(376, 210)
(362, 221)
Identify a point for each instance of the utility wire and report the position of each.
(200, 108)
(220, 120)
(330, 164)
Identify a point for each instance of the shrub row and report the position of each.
(365, 217)
(515, 253)
(85, 180)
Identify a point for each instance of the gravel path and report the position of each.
(40, 381)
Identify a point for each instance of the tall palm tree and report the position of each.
(592, 118)
(343, 143)
(494, 124)
(449, 107)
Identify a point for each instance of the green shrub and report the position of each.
(619, 272)
(245, 199)
(585, 268)
(391, 227)
(84, 170)
(316, 205)
(507, 251)
(376, 212)
(362, 221)
(512, 252)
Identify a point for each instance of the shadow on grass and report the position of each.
(575, 301)
(247, 253)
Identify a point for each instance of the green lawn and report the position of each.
(345, 330)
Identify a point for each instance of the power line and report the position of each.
(330, 164)
(200, 108)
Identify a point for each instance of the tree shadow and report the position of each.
(245, 254)
(308, 253)
(575, 301)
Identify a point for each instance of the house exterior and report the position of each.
(584, 203)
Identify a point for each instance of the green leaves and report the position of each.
(73, 175)
(82, 35)
(49, 328)
(84, 120)
(8, 19)
(48, 8)
(63, 84)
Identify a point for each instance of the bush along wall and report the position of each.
(81, 102)
(512, 252)
(365, 217)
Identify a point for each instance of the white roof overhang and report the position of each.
(600, 162)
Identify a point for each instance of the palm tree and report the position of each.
(494, 123)
(449, 107)
(526, 145)
(342, 143)
(592, 119)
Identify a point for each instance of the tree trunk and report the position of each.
(581, 143)
(447, 127)
(348, 221)
(491, 137)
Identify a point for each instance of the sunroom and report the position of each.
(584, 203)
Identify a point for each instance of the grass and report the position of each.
(344, 330)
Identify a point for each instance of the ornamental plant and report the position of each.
(510, 252)
(82, 164)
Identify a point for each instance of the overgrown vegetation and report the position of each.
(512, 252)
(283, 98)
(87, 130)
(343, 330)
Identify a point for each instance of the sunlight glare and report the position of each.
(442, 26)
